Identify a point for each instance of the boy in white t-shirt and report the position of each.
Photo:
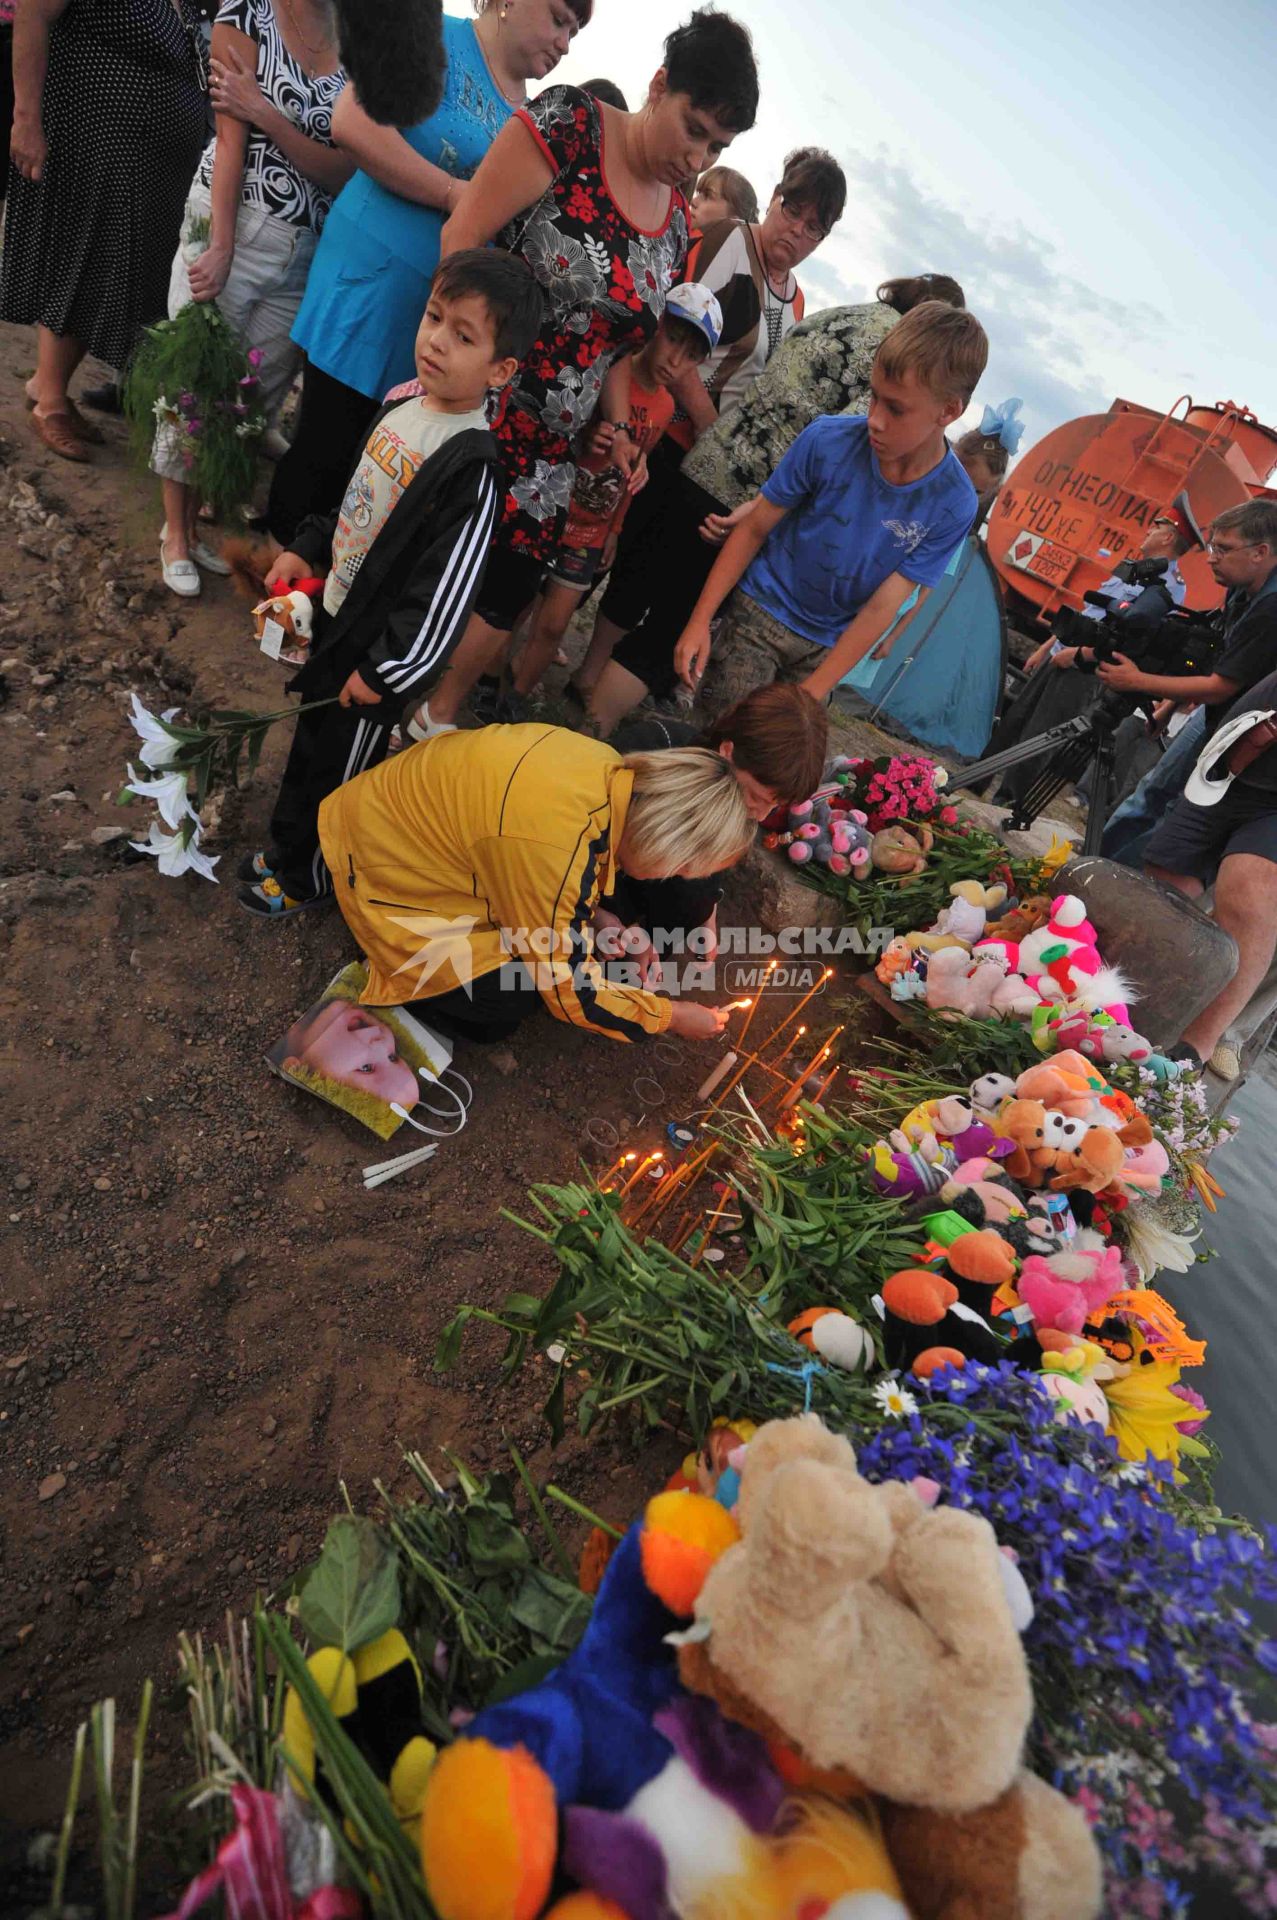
(404, 555)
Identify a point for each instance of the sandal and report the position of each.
(57, 430)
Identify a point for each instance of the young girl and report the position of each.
(722, 194)
(638, 397)
(253, 214)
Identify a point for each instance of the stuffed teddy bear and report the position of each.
(971, 907)
(902, 850)
(989, 1092)
(1095, 1164)
(983, 1192)
(955, 986)
(837, 840)
(1024, 918)
(896, 958)
(872, 1636)
(1064, 1290)
(1023, 1122)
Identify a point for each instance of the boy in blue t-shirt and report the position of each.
(861, 510)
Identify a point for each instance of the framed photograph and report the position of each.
(365, 1060)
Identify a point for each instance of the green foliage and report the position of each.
(904, 902)
(962, 1050)
(644, 1330)
(476, 1599)
(352, 1594)
(191, 375)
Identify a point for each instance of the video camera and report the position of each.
(1147, 628)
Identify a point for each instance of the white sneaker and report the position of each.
(422, 727)
(1226, 1061)
(204, 556)
(180, 576)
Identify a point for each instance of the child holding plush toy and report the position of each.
(403, 557)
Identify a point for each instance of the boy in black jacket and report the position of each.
(405, 554)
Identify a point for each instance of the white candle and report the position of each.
(718, 1076)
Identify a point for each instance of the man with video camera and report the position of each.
(1243, 555)
(1136, 598)
(1217, 792)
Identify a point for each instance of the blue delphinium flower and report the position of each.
(1143, 1642)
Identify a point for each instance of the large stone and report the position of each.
(1177, 956)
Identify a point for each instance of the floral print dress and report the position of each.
(605, 282)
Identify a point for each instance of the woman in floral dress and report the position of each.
(592, 199)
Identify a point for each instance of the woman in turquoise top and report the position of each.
(372, 270)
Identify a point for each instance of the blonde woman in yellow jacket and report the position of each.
(456, 857)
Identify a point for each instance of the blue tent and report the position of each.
(941, 682)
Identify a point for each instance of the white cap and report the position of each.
(1201, 788)
(695, 303)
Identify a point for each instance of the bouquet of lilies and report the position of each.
(181, 764)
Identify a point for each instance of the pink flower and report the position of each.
(948, 815)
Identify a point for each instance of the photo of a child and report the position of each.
(364, 1060)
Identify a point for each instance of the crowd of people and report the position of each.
(544, 343)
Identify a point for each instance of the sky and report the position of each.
(1100, 178)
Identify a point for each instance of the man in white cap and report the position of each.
(1223, 830)
(1243, 557)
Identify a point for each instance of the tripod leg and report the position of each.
(1102, 764)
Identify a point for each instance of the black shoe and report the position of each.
(1189, 1055)
(104, 399)
(485, 695)
(512, 708)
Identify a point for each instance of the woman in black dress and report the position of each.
(108, 123)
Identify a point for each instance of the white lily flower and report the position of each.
(159, 747)
(177, 855)
(169, 792)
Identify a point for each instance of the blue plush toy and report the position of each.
(586, 1736)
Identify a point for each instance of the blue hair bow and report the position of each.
(1003, 422)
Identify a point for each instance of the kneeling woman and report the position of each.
(456, 859)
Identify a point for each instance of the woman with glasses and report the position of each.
(750, 266)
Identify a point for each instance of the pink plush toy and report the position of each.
(1065, 1289)
(1079, 974)
(955, 985)
(1146, 1167)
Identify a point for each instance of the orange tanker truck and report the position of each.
(1083, 498)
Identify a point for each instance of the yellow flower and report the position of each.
(1055, 856)
(1144, 1413)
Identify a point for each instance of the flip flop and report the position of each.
(57, 430)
